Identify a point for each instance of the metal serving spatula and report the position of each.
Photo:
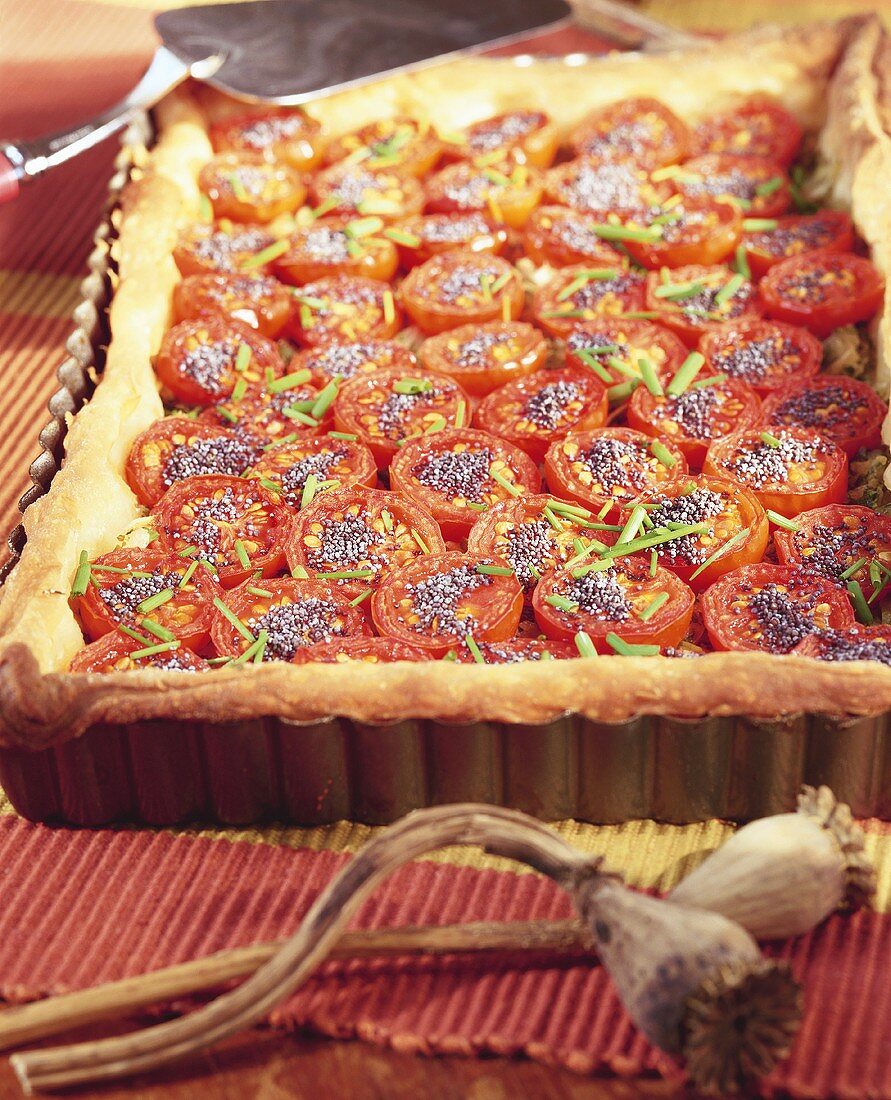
(287, 52)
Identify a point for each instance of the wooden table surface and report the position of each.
(263, 1065)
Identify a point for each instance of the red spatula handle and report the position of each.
(9, 179)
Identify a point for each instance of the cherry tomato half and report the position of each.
(602, 187)
(535, 411)
(248, 188)
(117, 652)
(279, 133)
(333, 463)
(848, 412)
(698, 231)
(606, 468)
(854, 643)
(418, 239)
(178, 447)
(696, 418)
(757, 127)
(707, 526)
(354, 191)
(202, 361)
(795, 235)
(341, 361)
(506, 190)
(789, 472)
(437, 601)
(369, 650)
(771, 608)
(766, 354)
(640, 130)
(560, 236)
(613, 347)
(838, 538)
(457, 288)
(576, 294)
(281, 616)
(614, 596)
(222, 247)
(258, 301)
(457, 473)
(353, 538)
(386, 408)
(396, 144)
(760, 187)
(345, 309)
(696, 298)
(160, 596)
(272, 414)
(338, 246)
(235, 524)
(483, 357)
(822, 291)
(529, 137)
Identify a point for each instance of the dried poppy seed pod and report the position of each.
(694, 982)
(782, 875)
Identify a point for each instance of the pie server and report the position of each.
(287, 52)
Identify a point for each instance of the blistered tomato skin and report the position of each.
(795, 235)
(642, 131)
(258, 301)
(822, 291)
(277, 133)
(842, 409)
(758, 127)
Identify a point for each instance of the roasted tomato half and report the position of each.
(439, 601)
(766, 354)
(202, 362)
(854, 643)
(514, 651)
(118, 652)
(840, 408)
(695, 417)
(345, 309)
(603, 188)
(177, 447)
(386, 408)
(274, 619)
(536, 411)
(235, 524)
(418, 239)
(338, 246)
(248, 188)
(325, 462)
(223, 248)
(789, 472)
(756, 127)
(759, 187)
(369, 650)
(506, 190)
(695, 299)
(458, 473)
(560, 236)
(844, 542)
(606, 468)
(822, 291)
(641, 130)
(160, 596)
(336, 362)
(397, 144)
(353, 538)
(458, 288)
(613, 347)
(278, 133)
(769, 241)
(771, 608)
(354, 191)
(618, 596)
(695, 231)
(287, 408)
(529, 137)
(535, 533)
(258, 301)
(576, 294)
(702, 527)
(484, 357)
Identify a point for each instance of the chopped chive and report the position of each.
(650, 378)
(187, 576)
(470, 642)
(501, 282)
(562, 603)
(626, 233)
(247, 653)
(362, 597)
(412, 385)
(861, 607)
(721, 551)
(238, 188)
(243, 358)
(781, 521)
(324, 401)
(364, 227)
(852, 569)
(568, 509)
(326, 205)
(494, 570)
(552, 519)
(425, 549)
(770, 440)
(585, 277)
(187, 552)
(769, 186)
(310, 302)
(152, 535)
(645, 542)
(678, 291)
(242, 554)
(205, 208)
(159, 631)
(387, 520)
(623, 368)
(272, 486)
(500, 479)
(293, 413)
(299, 573)
(712, 380)
(436, 426)
(288, 381)
(82, 576)
(451, 656)
(228, 414)
(135, 635)
(477, 507)
(218, 662)
(650, 610)
(592, 567)
(389, 304)
(642, 314)
(239, 390)
(255, 591)
(632, 526)
(486, 286)
(266, 255)
(229, 614)
(460, 413)
(152, 650)
(759, 225)
(564, 312)
(346, 575)
(506, 307)
(622, 391)
(289, 438)
(603, 511)
(662, 454)
(305, 316)
(654, 562)
(99, 568)
(262, 639)
(587, 357)
(685, 374)
(729, 289)
(151, 602)
(584, 644)
(741, 262)
(627, 649)
(401, 237)
(310, 487)
(347, 437)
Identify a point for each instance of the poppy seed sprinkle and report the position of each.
(293, 480)
(229, 454)
(781, 618)
(694, 410)
(600, 595)
(123, 598)
(530, 546)
(840, 645)
(548, 407)
(757, 463)
(697, 507)
(456, 474)
(293, 626)
(435, 601)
